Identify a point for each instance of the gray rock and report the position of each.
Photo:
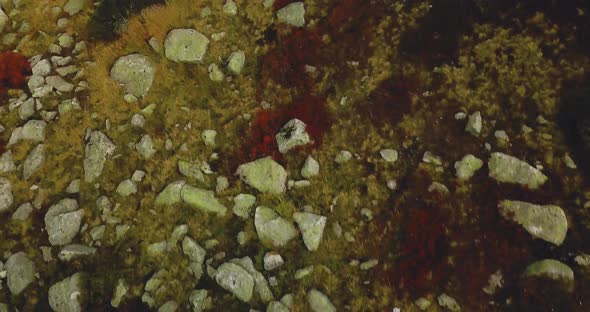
(230, 7)
(191, 170)
(547, 222)
(242, 205)
(474, 124)
(97, 150)
(65, 40)
(319, 302)
(273, 260)
(67, 295)
(136, 72)
(311, 227)
(20, 272)
(197, 299)
(145, 147)
(509, 169)
(389, 155)
(72, 7)
(202, 199)
(170, 195)
(35, 82)
(127, 187)
(33, 130)
(310, 168)
(208, 136)
(215, 73)
(292, 135)
(62, 221)
(185, 45)
(235, 62)
(26, 109)
(73, 187)
(67, 70)
(34, 160)
(59, 84)
(120, 291)
(260, 283)
(467, 166)
(276, 306)
(74, 251)
(551, 269)
(343, 157)
(272, 229)
(264, 174)
(23, 212)
(168, 306)
(6, 197)
(138, 120)
(292, 14)
(193, 250)
(42, 68)
(3, 19)
(236, 280)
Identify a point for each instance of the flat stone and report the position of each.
(34, 160)
(6, 197)
(127, 187)
(242, 205)
(319, 302)
(272, 229)
(170, 195)
(136, 72)
(20, 272)
(185, 45)
(98, 148)
(310, 168)
(33, 130)
(62, 221)
(509, 169)
(202, 199)
(74, 251)
(145, 147)
(23, 212)
(67, 295)
(264, 174)
(236, 280)
(235, 62)
(65, 40)
(59, 84)
(547, 222)
(311, 227)
(467, 166)
(551, 269)
(292, 14)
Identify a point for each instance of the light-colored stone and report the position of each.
(236, 280)
(215, 73)
(292, 135)
(98, 148)
(208, 136)
(448, 302)
(343, 157)
(230, 7)
(552, 269)
(242, 205)
(310, 168)
(34, 161)
(319, 302)
(260, 283)
(120, 291)
(474, 124)
(62, 221)
(235, 62)
(67, 295)
(197, 300)
(171, 194)
(73, 7)
(42, 68)
(20, 272)
(311, 227)
(389, 155)
(127, 187)
(136, 72)
(74, 251)
(59, 84)
(202, 199)
(6, 197)
(273, 260)
(272, 229)
(547, 222)
(185, 45)
(145, 147)
(264, 174)
(23, 212)
(467, 166)
(509, 169)
(292, 14)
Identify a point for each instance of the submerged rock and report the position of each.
(67, 295)
(264, 174)
(547, 222)
(311, 227)
(98, 148)
(136, 72)
(509, 169)
(273, 229)
(62, 221)
(20, 272)
(185, 45)
(236, 280)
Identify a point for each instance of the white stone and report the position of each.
(74, 6)
(292, 135)
(208, 136)
(264, 174)
(389, 155)
(236, 280)
(474, 124)
(98, 148)
(34, 161)
(42, 68)
(273, 260)
(509, 169)
(136, 72)
(185, 45)
(292, 14)
(272, 229)
(62, 221)
(235, 62)
(319, 302)
(145, 147)
(311, 227)
(467, 166)
(20, 272)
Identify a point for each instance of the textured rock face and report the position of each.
(185, 45)
(135, 72)
(236, 280)
(62, 221)
(20, 272)
(319, 302)
(264, 174)
(291, 135)
(202, 199)
(312, 228)
(547, 222)
(272, 229)
(292, 14)
(509, 169)
(552, 269)
(66, 296)
(97, 150)
(6, 198)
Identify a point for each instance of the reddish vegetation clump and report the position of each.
(14, 68)
(309, 109)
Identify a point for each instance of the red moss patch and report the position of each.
(14, 68)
